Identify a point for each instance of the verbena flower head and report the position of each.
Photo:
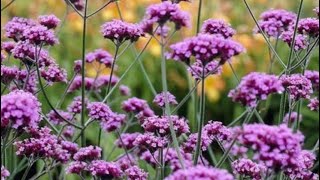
(68, 132)
(148, 141)
(125, 162)
(127, 140)
(31, 84)
(139, 107)
(119, 31)
(316, 10)
(196, 69)
(298, 86)
(50, 21)
(45, 145)
(8, 74)
(247, 167)
(56, 119)
(161, 125)
(216, 130)
(300, 43)
(100, 56)
(313, 76)
(76, 105)
(53, 73)
(200, 172)
(88, 153)
(254, 87)
(78, 4)
(309, 26)
(77, 83)
(99, 111)
(16, 26)
(314, 104)
(76, 167)
(8, 46)
(77, 66)
(163, 31)
(20, 109)
(205, 48)
(274, 146)
(124, 90)
(216, 26)
(160, 99)
(105, 169)
(135, 173)
(4, 173)
(162, 13)
(190, 145)
(40, 35)
(113, 122)
(292, 118)
(275, 21)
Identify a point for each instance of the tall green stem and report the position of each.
(83, 72)
(199, 16)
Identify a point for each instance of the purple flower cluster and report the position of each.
(15, 27)
(275, 21)
(53, 73)
(190, 145)
(76, 167)
(127, 140)
(309, 26)
(254, 87)
(40, 35)
(246, 167)
(56, 119)
(313, 76)
(20, 109)
(292, 118)
(4, 173)
(99, 111)
(135, 173)
(88, 153)
(314, 104)
(162, 13)
(92, 83)
(139, 107)
(148, 141)
(196, 69)
(216, 26)
(161, 125)
(102, 168)
(114, 122)
(200, 172)
(101, 56)
(124, 90)
(45, 145)
(119, 31)
(76, 105)
(22, 80)
(49, 21)
(8, 46)
(8, 74)
(78, 4)
(300, 40)
(205, 48)
(298, 86)
(160, 99)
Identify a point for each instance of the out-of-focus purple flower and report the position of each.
(247, 167)
(119, 31)
(78, 4)
(137, 106)
(135, 173)
(30, 85)
(125, 162)
(316, 10)
(46, 145)
(148, 141)
(75, 106)
(16, 26)
(56, 119)
(100, 56)
(190, 145)
(53, 73)
(161, 125)
(162, 13)
(314, 104)
(77, 66)
(160, 99)
(3, 57)
(8, 74)
(127, 140)
(200, 172)
(50, 21)
(4, 173)
(76, 167)
(205, 48)
(104, 80)
(68, 132)
(113, 122)
(20, 109)
(216, 130)
(298, 86)
(216, 26)
(300, 43)
(103, 168)
(124, 90)
(196, 69)
(292, 118)
(77, 82)
(99, 111)
(40, 35)
(313, 76)
(309, 26)
(8, 46)
(163, 31)
(254, 87)
(275, 21)
(88, 153)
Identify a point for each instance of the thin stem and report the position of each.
(98, 10)
(26, 172)
(6, 6)
(201, 122)
(66, 91)
(199, 16)
(83, 90)
(226, 154)
(238, 119)
(74, 8)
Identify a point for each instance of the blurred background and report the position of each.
(219, 106)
